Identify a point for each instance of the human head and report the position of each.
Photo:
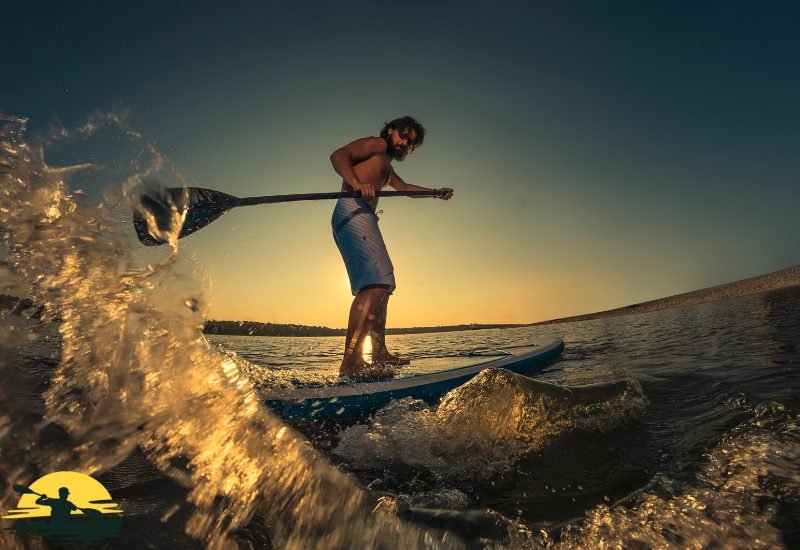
(63, 492)
(408, 124)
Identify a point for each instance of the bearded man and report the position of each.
(366, 165)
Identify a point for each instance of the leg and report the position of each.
(378, 334)
(363, 314)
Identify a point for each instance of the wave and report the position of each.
(485, 425)
(736, 499)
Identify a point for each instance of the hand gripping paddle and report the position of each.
(203, 206)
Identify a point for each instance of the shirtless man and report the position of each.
(366, 165)
(60, 508)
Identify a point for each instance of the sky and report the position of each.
(602, 153)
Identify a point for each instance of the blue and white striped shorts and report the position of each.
(355, 230)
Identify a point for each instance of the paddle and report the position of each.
(203, 206)
(91, 512)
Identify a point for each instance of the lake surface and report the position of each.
(714, 441)
(704, 449)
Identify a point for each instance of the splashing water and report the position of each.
(485, 425)
(730, 504)
(134, 371)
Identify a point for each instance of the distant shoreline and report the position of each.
(771, 281)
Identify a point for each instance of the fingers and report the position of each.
(447, 193)
(367, 191)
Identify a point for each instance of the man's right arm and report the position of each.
(344, 159)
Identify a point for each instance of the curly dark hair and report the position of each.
(406, 123)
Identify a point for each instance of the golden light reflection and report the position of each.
(367, 350)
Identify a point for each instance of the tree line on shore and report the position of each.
(252, 328)
(18, 305)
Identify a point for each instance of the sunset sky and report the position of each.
(602, 153)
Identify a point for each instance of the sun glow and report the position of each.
(367, 350)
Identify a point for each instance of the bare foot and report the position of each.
(383, 356)
(360, 369)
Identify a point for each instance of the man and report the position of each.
(60, 508)
(366, 165)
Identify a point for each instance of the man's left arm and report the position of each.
(397, 183)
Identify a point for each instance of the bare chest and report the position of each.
(374, 170)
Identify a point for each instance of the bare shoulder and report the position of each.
(364, 148)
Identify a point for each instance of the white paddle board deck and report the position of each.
(427, 379)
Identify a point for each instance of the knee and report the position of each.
(375, 291)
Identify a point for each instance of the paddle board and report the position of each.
(428, 379)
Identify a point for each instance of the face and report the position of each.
(401, 143)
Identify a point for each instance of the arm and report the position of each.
(396, 183)
(344, 159)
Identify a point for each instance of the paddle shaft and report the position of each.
(249, 201)
(203, 206)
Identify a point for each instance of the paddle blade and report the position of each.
(191, 207)
(24, 490)
(203, 206)
(91, 512)
(158, 214)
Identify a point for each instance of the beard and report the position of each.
(396, 152)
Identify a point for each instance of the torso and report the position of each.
(61, 509)
(373, 171)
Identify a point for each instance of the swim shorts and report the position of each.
(355, 230)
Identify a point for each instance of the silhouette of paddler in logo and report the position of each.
(69, 516)
(60, 508)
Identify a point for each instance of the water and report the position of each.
(701, 449)
(711, 454)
